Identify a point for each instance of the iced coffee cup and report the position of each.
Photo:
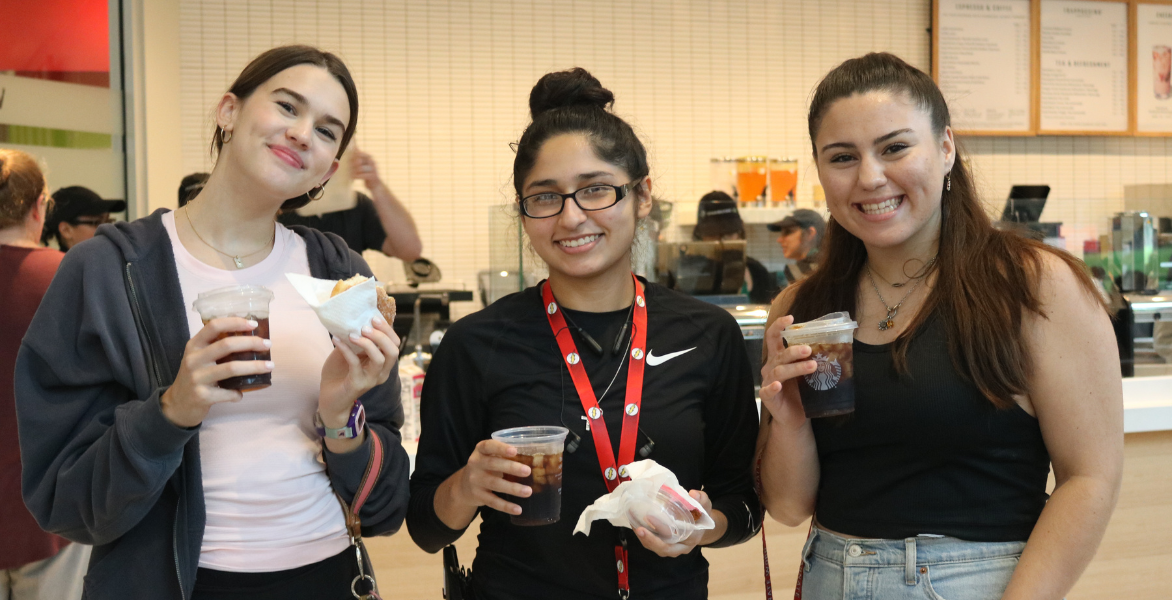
(830, 390)
(248, 302)
(540, 448)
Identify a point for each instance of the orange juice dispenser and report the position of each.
(783, 181)
(723, 172)
(752, 177)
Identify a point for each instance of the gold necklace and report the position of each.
(889, 321)
(238, 259)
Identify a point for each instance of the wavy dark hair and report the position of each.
(574, 101)
(986, 279)
(265, 66)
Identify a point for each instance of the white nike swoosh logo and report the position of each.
(655, 361)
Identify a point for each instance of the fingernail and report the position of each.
(367, 330)
(355, 337)
(335, 339)
(528, 491)
(269, 365)
(516, 510)
(267, 343)
(253, 323)
(639, 532)
(379, 321)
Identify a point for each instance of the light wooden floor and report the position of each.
(1134, 562)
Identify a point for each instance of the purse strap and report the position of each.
(354, 522)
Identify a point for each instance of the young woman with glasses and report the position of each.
(190, 490)
(582, 185)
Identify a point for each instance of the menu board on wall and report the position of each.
(1153, 68)
(1083, 67)
(983, 64)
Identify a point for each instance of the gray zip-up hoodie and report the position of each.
(102, 465)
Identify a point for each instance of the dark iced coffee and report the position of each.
(247, 302)
(544, 506)
(540, 448)
(830, 389)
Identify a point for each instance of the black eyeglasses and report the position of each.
(92, 222)
(596, 196)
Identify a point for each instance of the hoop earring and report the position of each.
(225, 136)
(321, 191)
(948, 182)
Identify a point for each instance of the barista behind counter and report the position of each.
(801, 236)
(717, 219)
(379, 222)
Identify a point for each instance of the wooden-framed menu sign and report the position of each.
(1152, 69)
(1083, 67)
(982, 61)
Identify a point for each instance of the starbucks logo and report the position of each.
(827, 374)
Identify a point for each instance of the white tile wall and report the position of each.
(444, 86)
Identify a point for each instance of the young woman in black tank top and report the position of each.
(980, 357)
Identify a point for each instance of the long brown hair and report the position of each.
(21, 185)
(271, 62)
(986, 279)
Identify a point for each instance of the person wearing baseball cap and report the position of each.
(801, 235)
(717, 218)
(77, 211)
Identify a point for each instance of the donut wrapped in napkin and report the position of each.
(346, 306)
(653, 499)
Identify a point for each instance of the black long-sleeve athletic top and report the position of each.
(501, 368)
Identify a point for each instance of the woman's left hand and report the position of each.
(347, 375)
(653, 543)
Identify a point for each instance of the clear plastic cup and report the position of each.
(830, 390)
(669, 518)
(540, 448)
(249, 302)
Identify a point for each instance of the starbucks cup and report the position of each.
(248, 302)
(540, 448)
(830, 390)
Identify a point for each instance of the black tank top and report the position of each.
(928, 454)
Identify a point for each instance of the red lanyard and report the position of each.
(613, 473)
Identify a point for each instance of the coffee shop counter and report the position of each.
(1147, 404)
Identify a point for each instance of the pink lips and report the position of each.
(290, 157)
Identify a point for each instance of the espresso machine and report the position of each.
(1135, 259)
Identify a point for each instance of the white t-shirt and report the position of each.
(269, 503)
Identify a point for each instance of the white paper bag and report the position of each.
(647, 476)
(343, 314)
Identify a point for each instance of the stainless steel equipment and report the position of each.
(1135, 261)
(701, 268)
(1146, 311)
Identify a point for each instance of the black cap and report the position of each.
(717, 216)
(76, 201)
(802, 218)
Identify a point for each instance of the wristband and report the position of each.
(353, 427)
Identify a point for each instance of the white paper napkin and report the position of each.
(343, 314)
(647, 476)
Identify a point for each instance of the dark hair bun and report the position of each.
(574, 87)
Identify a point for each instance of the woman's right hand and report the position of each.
(484, 475)
(779, 390)
(187, 402)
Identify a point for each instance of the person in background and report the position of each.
(191, 186)
(379, 222)
(801, 236)
(981, 359)
(717, 219)
(76, 214)
(189, 490)
(34, 565)
(582, 185)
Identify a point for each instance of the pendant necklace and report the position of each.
(236, 258)
(889, 321)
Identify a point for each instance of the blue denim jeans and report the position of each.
(919, 568)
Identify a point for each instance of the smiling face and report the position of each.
(285, 136)
(883, 169)
(581, 244)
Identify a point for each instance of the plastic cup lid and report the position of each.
(233, 298)
(531, 435)
(831, 323)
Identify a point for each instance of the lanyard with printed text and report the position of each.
(612, 472)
